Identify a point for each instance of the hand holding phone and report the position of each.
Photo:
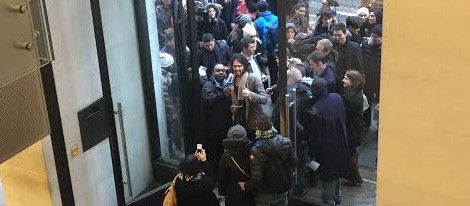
(200, 153)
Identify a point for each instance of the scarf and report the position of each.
(239, 97)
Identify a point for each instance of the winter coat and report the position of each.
(328, 75)
(197, 191)
(304, 101)
(353, 101)
(216, 27)
(349, 57)
(220, 55)
(262, 148)
(252, 107)
(328, 136)
(230, 175)
(372, 55)
(372, 60)
(262, 25)
(217, 115)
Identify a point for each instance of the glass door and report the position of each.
(153, 89)
(125, 79)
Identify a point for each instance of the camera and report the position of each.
(198, 148)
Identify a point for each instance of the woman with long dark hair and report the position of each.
(353, 82)
(299, 19)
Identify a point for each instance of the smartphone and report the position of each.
(198, 147)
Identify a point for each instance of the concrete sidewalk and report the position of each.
(363, 195)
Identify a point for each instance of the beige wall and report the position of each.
(424, 139)
(24, 178)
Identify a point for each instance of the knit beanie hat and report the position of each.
(243, 19)
(362, 10)
(236, 132)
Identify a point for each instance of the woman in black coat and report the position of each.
(353, 82)
(195, 184)
(212, 24)
(236, 146)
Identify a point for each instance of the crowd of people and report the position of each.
(333, 69)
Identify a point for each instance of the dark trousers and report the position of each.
(213, 146)
(372, 92)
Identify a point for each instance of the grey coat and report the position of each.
(258, 96)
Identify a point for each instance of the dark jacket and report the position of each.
(216, 27)
(320, 29)
(230, 175)
(217, 115)
(349, 57)
(197, 191)
(353, 101)
(209, 59)
(263, 148)
(328, 137)
(304, 102)
(330, 79)
(356, 38)
(372, 60)
(372, 55)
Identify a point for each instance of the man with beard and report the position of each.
(216, 96)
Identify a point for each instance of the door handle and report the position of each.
(124, 149)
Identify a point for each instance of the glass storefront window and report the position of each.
(168, 77)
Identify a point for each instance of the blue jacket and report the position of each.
(262, 24)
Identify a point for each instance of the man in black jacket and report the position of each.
(212, 52)
(217, 113)
(349, 54)
(272, 164)
(372, 52)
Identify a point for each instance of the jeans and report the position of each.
(332, 191)
(263, 199)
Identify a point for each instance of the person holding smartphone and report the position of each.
(217, 115)
(195, 183)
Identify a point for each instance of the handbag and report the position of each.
(170, 194)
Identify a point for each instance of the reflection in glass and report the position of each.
(167, 83)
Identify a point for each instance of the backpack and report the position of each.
(269, 27)
(272, 40)
(277, 172)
